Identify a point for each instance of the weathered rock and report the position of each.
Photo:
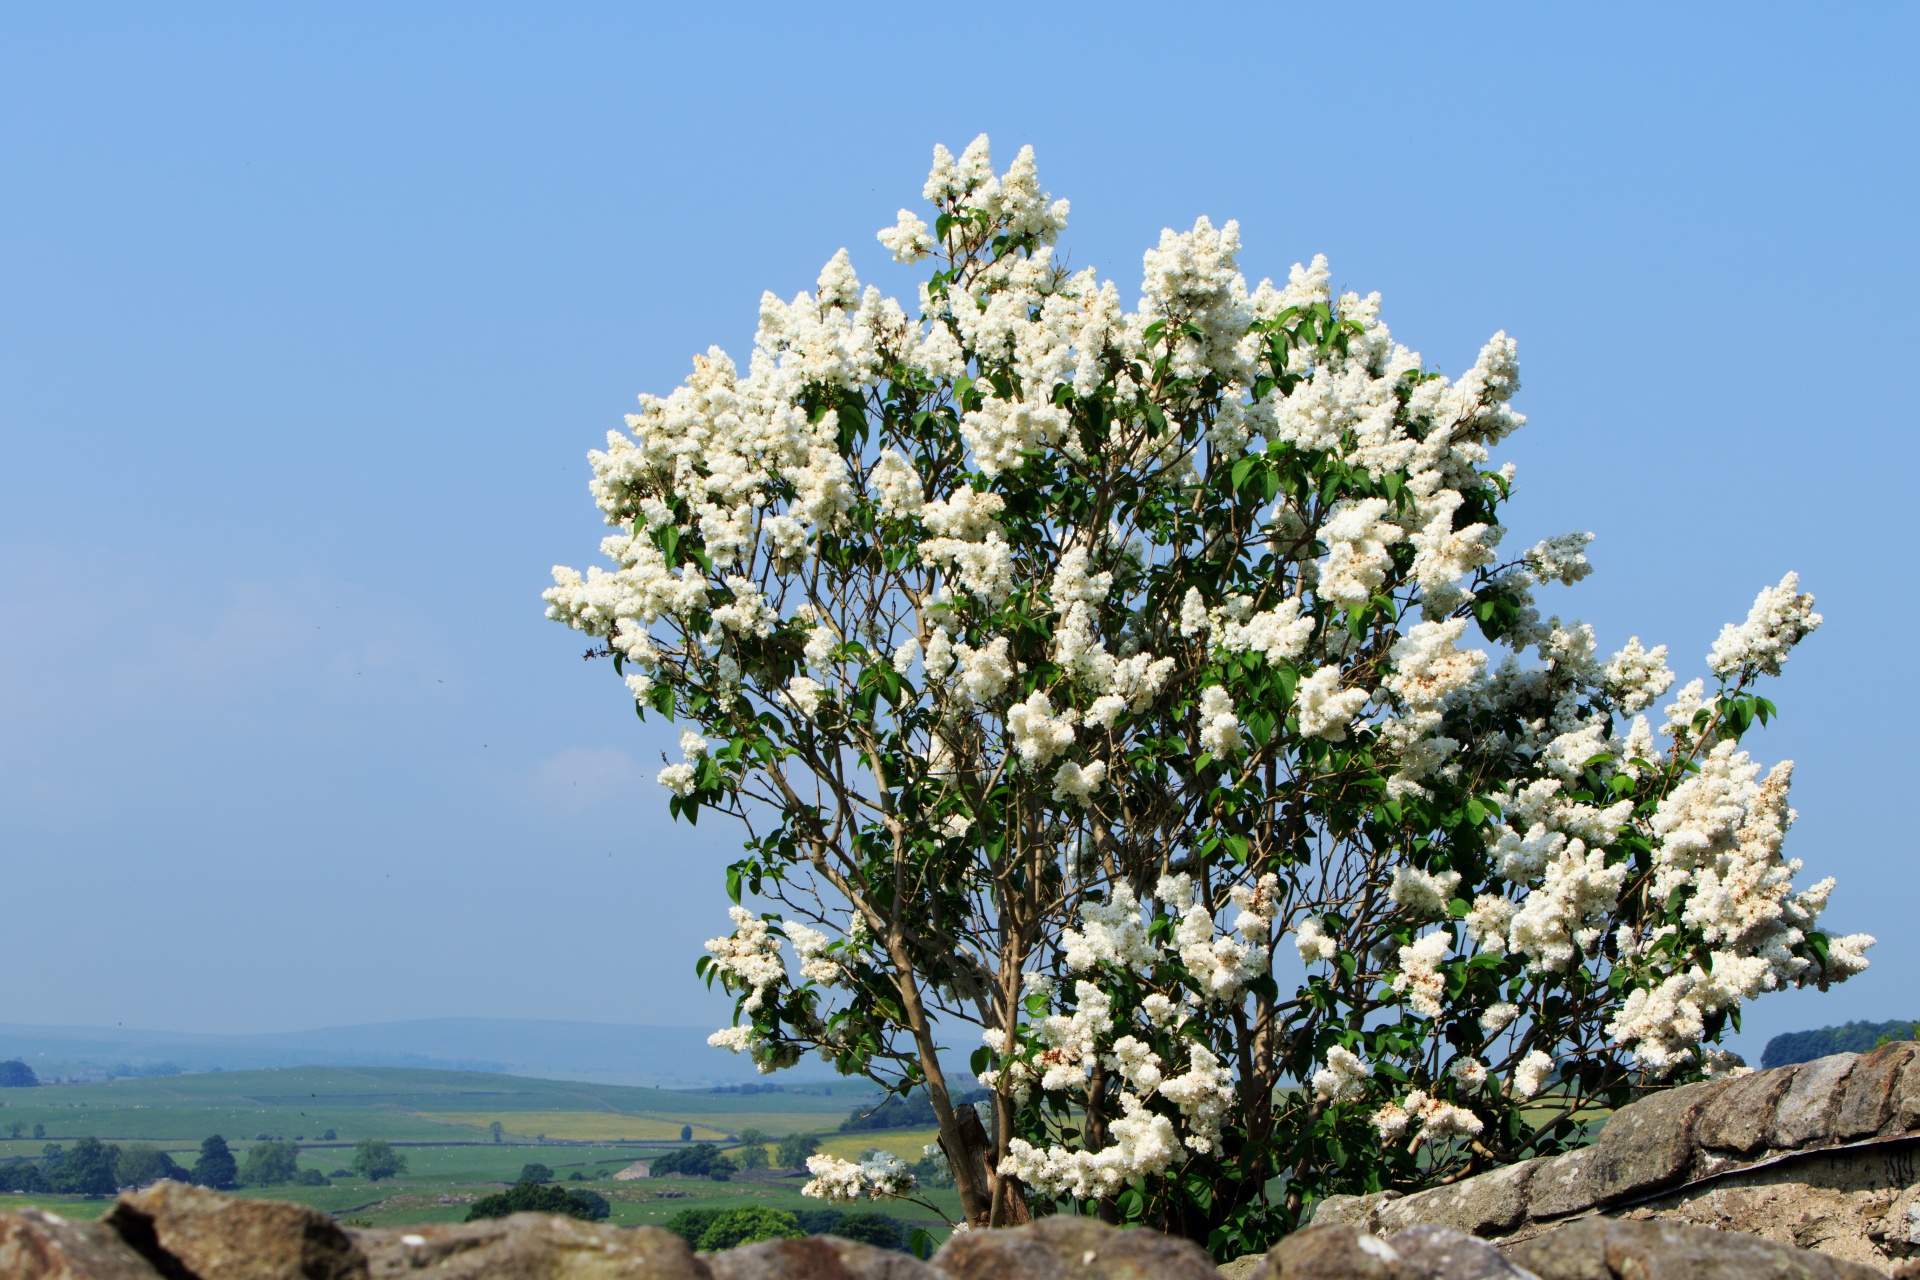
(1063, 1247)
(1805, 1114)
(1906, 1099)
(1867, 1103)
(1611, 1249)
(1649, 1144)
(816, 1258)
(1337, 1251)
(36, 1245)
(1563, 1185)
(1740, 1117)
(530, 1246)
(1242, 1267)
(1356, 1211)
(1441, 1253)
(1487, 1205)
(216, 1237)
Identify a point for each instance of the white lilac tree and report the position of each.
(1064, 661)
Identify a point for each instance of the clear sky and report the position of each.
(308, 314)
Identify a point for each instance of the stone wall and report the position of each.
(1820, 1155)
(175, 1232)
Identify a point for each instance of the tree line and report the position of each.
(95, 1168)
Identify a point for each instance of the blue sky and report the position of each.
(309, 313)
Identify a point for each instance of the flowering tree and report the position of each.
(1143, 693)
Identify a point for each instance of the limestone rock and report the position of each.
(1357, 1211)
(1442, 1253)
(1242, 1267)
(1063, 1247)
(36, 1245)
(1739, 1118)
(816, 1258)
(1490, 1204)
(1648, 1144)
(1806, 1111)
(1612, 1249)
(1867, 1104)
(217, 1237)
(1337, 1251)
(530, 1246)
(1563, 1185)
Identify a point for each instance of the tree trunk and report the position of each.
(1003, 1205)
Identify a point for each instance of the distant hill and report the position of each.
(1853, 1037)
(598, 1052)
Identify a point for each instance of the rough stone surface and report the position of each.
(1491, 1204)
(1906, 1099)
(1563, 1185)
(816, 1258)
(1648, 1144)
(531, 1246)
(1072, 1248)
(1739, 1119)
(1609, 1249)
(1867, 1103)
(35, 1245)
(1805, 1114)
(217, 1237)
(1338, 1251)
(1441, 1253)
(1354, 1211)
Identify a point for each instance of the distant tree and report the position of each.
(89, 1169)
(16, 1129)
(263, 1137)
(744, 1225)
(752, 1155)
(881, 1230)
(535, 1173)
(576, 1176)
(216, 1167)
(143, 1163)
(269, 1164)
(498, 1130)
(691, 1224)
(686, 1133)
(529, 1197)
(1851, 1037)
(701, 1160)
(375, 1158)
(795, 1148)
(311, 1178)
(39, 1132)
(819, 1222)
(17, 1075)
(328, 1136)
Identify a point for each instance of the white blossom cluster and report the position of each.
(877, 1175)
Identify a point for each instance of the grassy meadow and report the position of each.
(439, 1120)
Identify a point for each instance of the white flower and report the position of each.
(907, 240)
(735, 1039)
(1313, 942)
(678, 778)
(1422, 894)
(878, 1175)
(1531, 1074)
(1636, 676)
(749, 955)
(1470, 1073)
(1357, 538)
(1420, 979)
(1323, 709)
(1219, 726)
(1498, 1018)
(896, 487)
(1561, 559)
(1110, 933)
(1072, 782)
(1488, 920)
(1343, 1076)
(956, 826)
(692, 745)
(1781, 617)
(803, 695)
(1038, 734)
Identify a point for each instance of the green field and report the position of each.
(438, 1120)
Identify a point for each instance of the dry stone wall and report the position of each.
(175, 1232)
(1820, 1155)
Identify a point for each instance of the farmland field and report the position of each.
(439, 1121)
